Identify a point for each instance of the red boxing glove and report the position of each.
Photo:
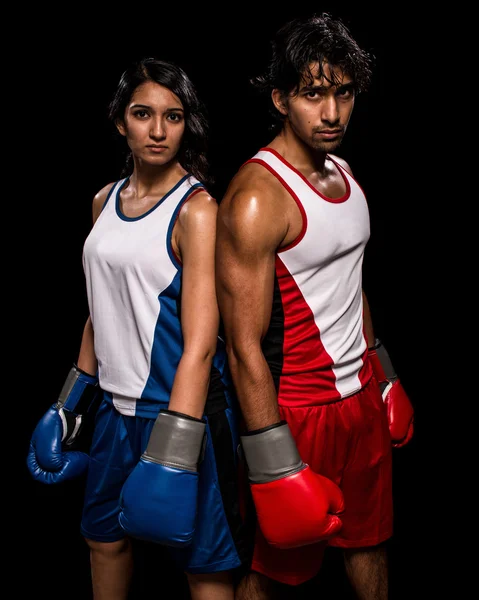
(400, 410)
(294, 505)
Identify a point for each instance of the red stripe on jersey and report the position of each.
(307, 377)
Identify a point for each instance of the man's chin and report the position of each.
(326, 146)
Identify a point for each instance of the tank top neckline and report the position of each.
(339, 200)
(124, 217)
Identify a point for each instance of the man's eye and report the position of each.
(345, 93)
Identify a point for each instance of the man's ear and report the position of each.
(279, 101)
(120, 125)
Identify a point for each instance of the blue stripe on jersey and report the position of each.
(171, 254)
(167, 346)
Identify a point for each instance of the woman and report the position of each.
(161, 466)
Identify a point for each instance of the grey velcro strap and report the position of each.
(176, 441)
(271, 454)
(68, 386)
(385, 361)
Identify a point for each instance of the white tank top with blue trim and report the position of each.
(133, 281)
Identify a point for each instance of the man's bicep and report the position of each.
(249, 231)
(245, 287)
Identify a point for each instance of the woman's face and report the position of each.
(153, 124)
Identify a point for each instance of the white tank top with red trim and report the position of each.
(315, 346)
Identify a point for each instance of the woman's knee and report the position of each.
(109, 549)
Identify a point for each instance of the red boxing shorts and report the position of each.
(349, 442)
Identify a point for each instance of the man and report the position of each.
(320, 400)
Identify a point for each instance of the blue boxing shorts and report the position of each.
(118, 443)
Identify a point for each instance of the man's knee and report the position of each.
(373, 555)
(255, 586)
(367, 571)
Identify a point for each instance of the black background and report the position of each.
(66, 72)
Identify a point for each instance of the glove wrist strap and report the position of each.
(78, 391)
(271, 453)
(386, 364)
(176, 440)
(78, 402)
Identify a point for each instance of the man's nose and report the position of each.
(329, 109)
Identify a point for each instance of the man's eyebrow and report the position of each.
(312, 88)
(323, 87)
(347, 84)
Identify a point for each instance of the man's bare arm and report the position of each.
(249, 230)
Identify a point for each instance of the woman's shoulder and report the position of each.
(100, 198)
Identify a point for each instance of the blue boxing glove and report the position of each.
(53, 456)
(158, 500)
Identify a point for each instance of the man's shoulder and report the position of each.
(253, 200)
(252, 178)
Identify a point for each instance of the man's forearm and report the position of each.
(255, 390)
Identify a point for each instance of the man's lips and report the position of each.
(328, 132)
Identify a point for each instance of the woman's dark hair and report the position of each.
(192, 154)
(315, 39)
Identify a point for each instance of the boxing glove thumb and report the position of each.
(47, 462)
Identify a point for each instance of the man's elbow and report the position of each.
(241, 354)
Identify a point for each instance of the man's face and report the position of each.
(319, 112)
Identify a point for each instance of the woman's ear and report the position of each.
(279, 101)
(120, 125)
